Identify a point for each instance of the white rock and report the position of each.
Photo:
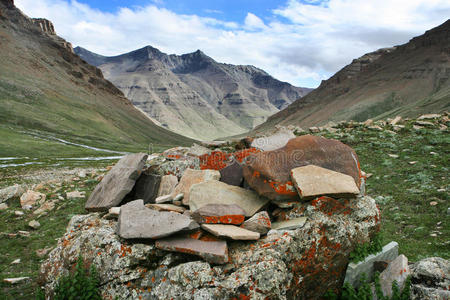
(34, 224)
(15, 280)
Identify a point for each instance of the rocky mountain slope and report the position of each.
(406, 80)
(194, 95)
(46, 88)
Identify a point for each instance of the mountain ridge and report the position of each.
(193, 94)
(407, 80)
(44, 86)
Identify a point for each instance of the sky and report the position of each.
(298, 41)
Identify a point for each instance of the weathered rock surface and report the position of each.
(216, 192)
(215, 252)
(260, 223)
(137, 221)
(289, 224)
(302, 263)
(232, 174)
(146, 188)
(31, 198)
(313, 181)
(11, 192)
(268, 173)
(431, 279)
(230, 231)
(75, 195)
(167, 185)
(191, 177)
(219, 214)
(117, 183)
(397, 270)
(274, 141)
(164, 199)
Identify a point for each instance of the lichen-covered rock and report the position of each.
(431, 279)
(269, 172)
(294, 264)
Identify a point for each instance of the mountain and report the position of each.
(406, 80)
(194, 95)
(45, 87)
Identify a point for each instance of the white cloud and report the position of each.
(302, 44)
(252, 22)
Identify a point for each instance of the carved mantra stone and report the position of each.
(269, 173)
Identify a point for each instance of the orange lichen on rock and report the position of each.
(227, 219)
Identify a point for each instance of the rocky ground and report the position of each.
(405, 162)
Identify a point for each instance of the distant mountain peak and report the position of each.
(195, 95)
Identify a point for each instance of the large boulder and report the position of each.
(431, 279)
(291, 264)
(119, 181)
(269, 173)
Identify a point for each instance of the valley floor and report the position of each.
(407, 175)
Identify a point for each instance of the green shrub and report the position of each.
(362, 251)
(80, 284)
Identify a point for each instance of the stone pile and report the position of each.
(231, 218)
(203, 206)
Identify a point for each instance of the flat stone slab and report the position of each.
(289, 224)
(313, 181)
(167, 185)
(219, 214)
(230, 231)
(260, 223)
(216, 192)
(354, 271)
(215, 252)
(164, 199)
(191, 177)
(117, 183)
(137, 221)
(166, 207)
(31, 198)
(397, 270)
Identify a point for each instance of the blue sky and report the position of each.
(298, 41)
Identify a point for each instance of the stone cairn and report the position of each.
(201, 198)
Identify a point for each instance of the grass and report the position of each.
(52, 227)
(413, 197)
(403, 191)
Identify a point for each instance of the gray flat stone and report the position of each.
(260, 223)
(215, 252)
(138, 221)
(230, 231)
(216, 192)
(117, 183)
(397, 270)
(313, 181)
(191, 177)
(289, 224)
(167, 185)
(166, 207)
(164, 199)
(219, 214)
(354, 271)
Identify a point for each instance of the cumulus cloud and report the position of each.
(302, 43)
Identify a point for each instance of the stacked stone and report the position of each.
(225, 196)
